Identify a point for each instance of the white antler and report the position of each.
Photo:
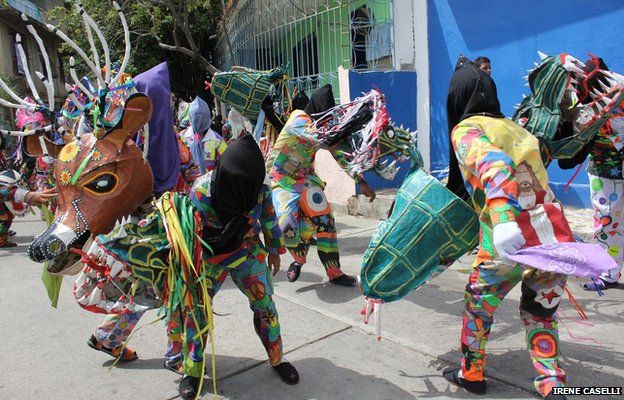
(90, 24)
(29, 80)
(72, 72)
(80, 52)
(47, 128)
(6, 103)
(11, 93)
(126, 58)
(47, 80)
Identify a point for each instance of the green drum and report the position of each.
(244, 89)
(428, 229)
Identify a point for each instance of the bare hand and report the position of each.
(40, 198)
(274, 263)
(368, 192)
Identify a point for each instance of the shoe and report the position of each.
(127, 354)
(12, 232)
(555, 397)
(597, 285)
(293, 272)
(452, 375)
(175, 366)
(188, 387)
(344, 280)
(8, 244)
(287, 372)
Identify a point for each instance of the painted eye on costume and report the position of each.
(102, 184)
(390, 133)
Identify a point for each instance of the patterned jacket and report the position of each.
(291, 162)
(265, 221)
(503, 171)
(605, 157)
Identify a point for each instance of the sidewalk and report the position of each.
(323, 335)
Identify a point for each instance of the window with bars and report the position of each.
(312, 37)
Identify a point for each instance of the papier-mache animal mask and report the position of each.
(99, 180)
(553, 111)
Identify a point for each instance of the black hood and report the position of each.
(236, 185)
(471, 92)
(321, 101)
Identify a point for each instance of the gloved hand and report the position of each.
(507, 238)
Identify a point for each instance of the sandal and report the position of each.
(127, 354)
(287, 372)
(188, 387)
(476, 387)
(344, 280)
(175, 366)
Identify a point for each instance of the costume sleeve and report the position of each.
(12, 193)
(492, 167)
(339, 152)
(270, 229)
(191, 172)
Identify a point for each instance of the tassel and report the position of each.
(575, 304)
(567, 185)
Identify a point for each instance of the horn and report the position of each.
(78, 50)
(49, 90)
(47, 128)
(29, 80)
(49, 85)
(72, 72)
(124, 63)
(18, 106)
(90, 24)
(7, 89)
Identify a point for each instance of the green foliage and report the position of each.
(151, 22)
(4, 94)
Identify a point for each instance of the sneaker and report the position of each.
(452, 375)
(188, 387)
(344, 280)
(287, 372)
(293, 272)
(175, 366)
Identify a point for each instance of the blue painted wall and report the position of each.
(510, 32)
(399, 87)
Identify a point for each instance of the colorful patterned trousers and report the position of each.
(301, 215)
(607, 197)
(251, 277)
(487, 286)
(6, 220)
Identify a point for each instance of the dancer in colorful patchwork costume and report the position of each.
(235, 206)
(504, 174)
(300, 202)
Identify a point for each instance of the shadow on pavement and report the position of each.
(321, 379)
